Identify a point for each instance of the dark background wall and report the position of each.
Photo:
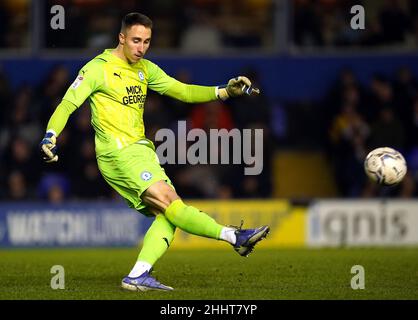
(290, 78)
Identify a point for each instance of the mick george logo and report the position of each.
(218, 146)
(134, 96)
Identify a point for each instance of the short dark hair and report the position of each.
(135, 18)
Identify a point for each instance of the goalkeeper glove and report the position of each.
(49, 148)
(236, 87)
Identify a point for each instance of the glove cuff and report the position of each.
(49, 133)
(221, 92)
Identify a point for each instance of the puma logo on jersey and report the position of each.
(117, 75)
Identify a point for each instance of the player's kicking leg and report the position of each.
(172, 212)
(245, 240)
(163, 198)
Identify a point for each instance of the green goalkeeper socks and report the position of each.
(192, 220)
(161, 233)
(157, 239)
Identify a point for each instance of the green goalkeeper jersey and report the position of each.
(116, 91)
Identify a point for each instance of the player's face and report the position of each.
(135, 41)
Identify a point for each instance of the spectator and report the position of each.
(247, 111)
(54, 188)
(88, 182)
(51, 91)
(100, 28)
(405, 89)
(380, 96)
(411, 127)
(348, 134)
(387, 131)
(202, 36)
(14, 20)
(18, 157)
(5, 94)
(17, 189)
(394, 22)
(306, 24)
(200, 181)
(327, 24)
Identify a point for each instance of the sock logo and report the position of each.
(166, 241)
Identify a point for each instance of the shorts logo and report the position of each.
(77, 82)
(145, 175)
(141, 75)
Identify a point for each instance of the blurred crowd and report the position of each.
(25, 113)
(326, 23)
(360, 118)
(14, 23)
(354, 118)
(206, 26)
(213, 26)
(197, 26)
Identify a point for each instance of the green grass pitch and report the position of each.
(271, 274)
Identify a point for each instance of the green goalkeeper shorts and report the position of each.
(131, 171)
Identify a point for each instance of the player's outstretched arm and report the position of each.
(55, 125)
(197, 94)
(162, 83)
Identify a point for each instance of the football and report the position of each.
(385, 166)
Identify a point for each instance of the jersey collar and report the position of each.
(110, 56)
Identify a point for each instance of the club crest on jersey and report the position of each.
(141, 75)
(145, 175)
(77, 82)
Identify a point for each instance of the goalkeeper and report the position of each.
(115, 84)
